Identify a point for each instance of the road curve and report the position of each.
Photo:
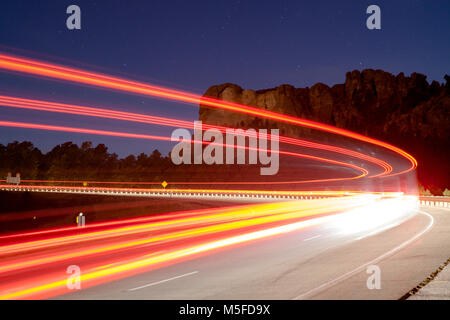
(317, 263)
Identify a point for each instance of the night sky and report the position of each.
(191, 45)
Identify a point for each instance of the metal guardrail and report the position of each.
(438, 202)
(163, 194)
(442, 202)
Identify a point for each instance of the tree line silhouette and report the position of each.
(68, 161)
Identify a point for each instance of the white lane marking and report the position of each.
(307, 239)
(347, 275)
(162, 281)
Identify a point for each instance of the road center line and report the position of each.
(162, 281)
(310, 238)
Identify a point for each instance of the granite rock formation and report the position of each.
(406, 111)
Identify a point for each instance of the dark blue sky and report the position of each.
(193, 44)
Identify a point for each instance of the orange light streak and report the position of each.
(96, 79)
(363, 171)
(142, 118)
(252, 216)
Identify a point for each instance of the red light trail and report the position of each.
(111, 114)
(79, 76)
(363, 172)
(110, 251)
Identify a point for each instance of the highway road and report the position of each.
(285, 250)
(33, 265)
(297, 249)
(317, 263)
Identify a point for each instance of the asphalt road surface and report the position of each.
(321, 262)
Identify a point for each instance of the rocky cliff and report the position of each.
(406, 111)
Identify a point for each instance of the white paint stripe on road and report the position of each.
(307, 239)
(162, 281)
(349, 274)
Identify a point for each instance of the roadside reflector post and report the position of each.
(81, 220)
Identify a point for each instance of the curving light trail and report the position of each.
(363, 171)
(110, 251)
(95, 79)
(40, 105)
